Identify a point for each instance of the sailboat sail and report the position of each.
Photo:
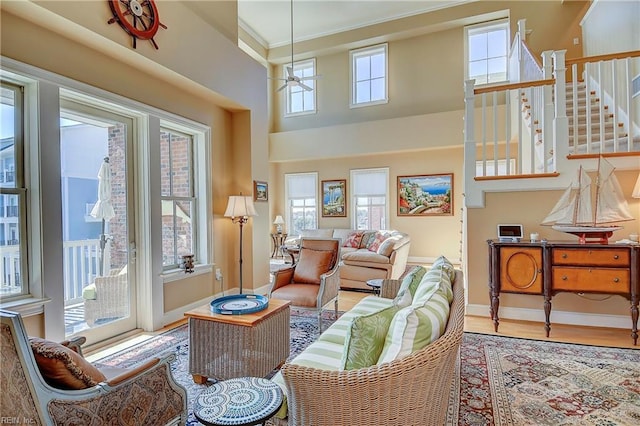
(574, 209)
(612, 206)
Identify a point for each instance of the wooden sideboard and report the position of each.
(549, 267)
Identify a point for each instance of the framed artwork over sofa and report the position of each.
(425, 195)
(334, 198)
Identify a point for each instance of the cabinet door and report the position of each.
(521, 270)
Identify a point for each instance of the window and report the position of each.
(302, 202)
(370, 194)
(486, 52)
(299, 100)
(369, 76)
(177, 194)
(13, 193)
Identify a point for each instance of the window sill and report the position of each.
(179, 274)
(26, 307)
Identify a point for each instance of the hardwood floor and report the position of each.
(597, 336)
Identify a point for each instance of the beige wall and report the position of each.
(76, 42)
(430, 236)
(424, 113)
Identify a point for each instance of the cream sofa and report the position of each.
(412, 389)
(359, 264)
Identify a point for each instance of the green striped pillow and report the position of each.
(408, 287)
(416, 326)
(365, 339)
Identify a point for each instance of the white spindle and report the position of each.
(507, 151)
(601, 101)
(614, 97)
(587, 88)
(484, 134)
(629, 96)
(532, 131)
(495, 133)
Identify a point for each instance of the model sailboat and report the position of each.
(592, 223)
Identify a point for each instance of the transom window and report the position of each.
(302, 202)
(370, 194)
(486, 51)
(178, 196)
(300, 100)
(369, 75)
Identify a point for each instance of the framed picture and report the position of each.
(334, 198)
(425, 195)
(260, 191)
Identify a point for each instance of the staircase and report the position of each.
(592, 129)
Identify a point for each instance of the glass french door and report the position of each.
(99, 275)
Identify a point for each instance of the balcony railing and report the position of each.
(81, 266)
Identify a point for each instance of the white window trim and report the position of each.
(288, 218)
(359, 52)
(353, 209)
(287, 91)
(151, 316)
(496, 23)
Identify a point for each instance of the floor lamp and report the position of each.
(239, 209)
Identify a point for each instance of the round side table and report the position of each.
(375, 285)
(243, 401)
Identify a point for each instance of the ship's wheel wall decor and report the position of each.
(139, 18)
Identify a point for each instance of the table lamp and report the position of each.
(278, 222)
(239, 209)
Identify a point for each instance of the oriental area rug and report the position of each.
(502, 380)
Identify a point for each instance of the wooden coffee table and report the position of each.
(228, 346)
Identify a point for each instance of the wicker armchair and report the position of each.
(111, 298)
(145, 395)
(313, 281)
(410, 391)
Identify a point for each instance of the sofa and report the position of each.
(341, 380)
(365, 254)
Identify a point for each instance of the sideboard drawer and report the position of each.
(615, 257)
(597, 280)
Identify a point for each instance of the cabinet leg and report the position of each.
(634, 323)
(495, 303)
(547, 314)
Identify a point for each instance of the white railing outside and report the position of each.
(81, 266)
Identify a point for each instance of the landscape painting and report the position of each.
(425, 195)
(260, 191)
(334, 198)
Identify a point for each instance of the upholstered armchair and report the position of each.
(313, 281)
(45, 383)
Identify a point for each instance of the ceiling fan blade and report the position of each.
(313, 77)
(304, 86)
(289, 71)
(277, 78)
(282, 88)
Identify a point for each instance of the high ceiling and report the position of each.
(269, 21)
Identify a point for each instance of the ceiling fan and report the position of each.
(291, 79)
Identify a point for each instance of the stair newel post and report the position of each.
(560, 123)
(547, 112)
(522, 35)
(469, 137)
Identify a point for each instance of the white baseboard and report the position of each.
(557, 317)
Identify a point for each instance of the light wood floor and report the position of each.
(598, 336)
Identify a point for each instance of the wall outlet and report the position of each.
(218, 274)
(576, 41)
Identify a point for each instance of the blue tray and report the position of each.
(239, 304)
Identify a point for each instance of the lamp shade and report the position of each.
(240, 206)
(636, 189)
(279, 220)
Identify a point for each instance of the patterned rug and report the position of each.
(504, 381)
(304, 330)
(508, 381)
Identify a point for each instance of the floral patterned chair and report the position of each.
(46, 383)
